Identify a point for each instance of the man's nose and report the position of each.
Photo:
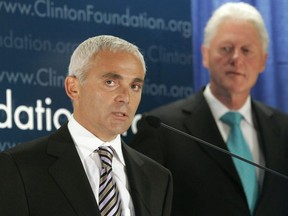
(123, 95)
(236, 57)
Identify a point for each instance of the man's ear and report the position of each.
(205, 56)
(264, 61)
(72, 87)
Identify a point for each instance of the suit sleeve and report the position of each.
(13, 201)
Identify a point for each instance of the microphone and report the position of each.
(156, 122)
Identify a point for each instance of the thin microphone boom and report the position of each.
(155, 122)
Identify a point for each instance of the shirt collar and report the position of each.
(87, 143)
(219, 109)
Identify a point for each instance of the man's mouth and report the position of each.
(121, 114)
(234, 73)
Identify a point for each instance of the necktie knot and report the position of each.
(232, 118)
(106, 155)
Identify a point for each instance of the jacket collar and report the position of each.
(68, 172)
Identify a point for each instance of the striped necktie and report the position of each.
(237, 145)
(109, 198)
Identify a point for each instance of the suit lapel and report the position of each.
(268, 140)
(201, 124)
(69, 173)
(137, 181)
(267, 135)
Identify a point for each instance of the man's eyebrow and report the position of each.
(139, 80)
(112, 75)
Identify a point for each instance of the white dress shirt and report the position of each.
(86, 143)
(218, 109)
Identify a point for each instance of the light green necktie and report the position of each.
(237, 145)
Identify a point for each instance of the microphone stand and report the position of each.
(217, 148)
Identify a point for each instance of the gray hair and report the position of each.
(236, 11)
(80, 59)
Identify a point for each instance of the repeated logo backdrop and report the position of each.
(37, 38)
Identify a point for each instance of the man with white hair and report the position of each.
(206, 181)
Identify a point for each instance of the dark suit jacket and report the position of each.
(46, 178)
(205, 180)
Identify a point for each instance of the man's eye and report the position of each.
(224, 50)
(136, 87)
(246, 51)
(227, 49)
(110, 82)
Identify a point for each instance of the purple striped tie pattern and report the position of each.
(109, 198)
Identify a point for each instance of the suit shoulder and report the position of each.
(175, 105)
(270, 111)
(152, 164)
(177, 109)
(40, 143)
(28, 148)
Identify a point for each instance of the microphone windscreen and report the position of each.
(153, 121)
